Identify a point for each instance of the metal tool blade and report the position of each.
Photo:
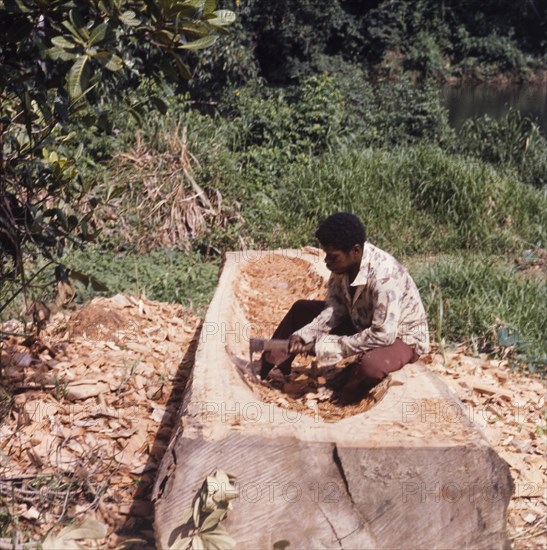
(245, 368)
(256, 345)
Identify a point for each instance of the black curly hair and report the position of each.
(342, 231)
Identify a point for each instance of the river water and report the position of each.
(468, 101)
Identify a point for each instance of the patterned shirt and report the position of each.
(386, 305)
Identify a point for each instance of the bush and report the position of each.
(391, 113)
(512, 140)
(298, 119)
(424, 55)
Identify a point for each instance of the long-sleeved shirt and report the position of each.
(386, 305)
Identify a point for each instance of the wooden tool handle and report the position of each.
(277, 345)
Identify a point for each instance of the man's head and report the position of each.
(342, 237)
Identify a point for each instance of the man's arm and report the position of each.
(382, 332)
(329, 318)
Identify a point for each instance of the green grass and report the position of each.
(484, 302)
(412, 200)
(167, 276)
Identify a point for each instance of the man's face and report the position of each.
(339, 261)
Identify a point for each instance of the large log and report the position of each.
(411, 472)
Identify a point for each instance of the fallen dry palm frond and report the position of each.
(161, 204)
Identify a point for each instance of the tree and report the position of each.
(56, 56)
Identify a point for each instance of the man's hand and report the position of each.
(297, 345)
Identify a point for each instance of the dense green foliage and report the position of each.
(450, 38)
(58, 60)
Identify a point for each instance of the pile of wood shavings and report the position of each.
(94, 402)
(509, 407)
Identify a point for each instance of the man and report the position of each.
(373, 310)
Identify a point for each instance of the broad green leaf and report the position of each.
(101, 55)
(74, 32)
(186, 516)
(218, 539)
(79, 24)
(78, 76)
(165, 4)
(68, 538)
(208, 504)
(221, 476)
(115, 63)
(63, 42)
(182, 68)
(130, 18)
(164, 37)
(98, 34)
(224, 490)
(210, 6)
(221, 18)
(56, 53)
(212, 520)
(206, 6)
(193, 29)
(180, 10)
(200, 43)
(196, 511)
(197, 543)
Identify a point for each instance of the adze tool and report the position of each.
(257, 345)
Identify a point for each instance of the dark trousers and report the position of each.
(359, 377)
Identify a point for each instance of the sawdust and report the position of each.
(98, 323)
(270, 284)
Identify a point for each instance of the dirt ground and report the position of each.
(94, 400)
